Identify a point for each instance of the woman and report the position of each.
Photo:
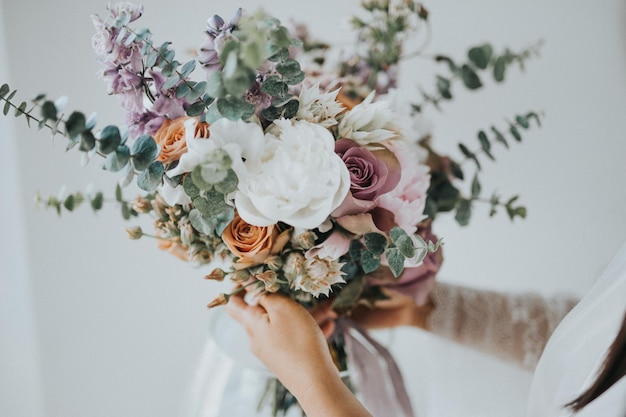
(580, 372)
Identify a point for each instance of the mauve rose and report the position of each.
(373, 173)
(415, 282)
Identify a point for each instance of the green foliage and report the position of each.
(480, 59)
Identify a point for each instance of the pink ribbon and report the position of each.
(374, 366)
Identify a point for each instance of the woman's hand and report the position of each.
(396, 310)
(289, 341)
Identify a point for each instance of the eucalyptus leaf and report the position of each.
(20, 109)
(470, 78)
(476, 187)
(201, 223)
(274, 86)
(188, 68)
(87, 141)
(48, 110)
(395, 259)
(228, 184)
(170, 82)
(499, 136)
(4, 90)
(463, 212)
(375, 243)
(485, 144)
(183, 89)
(369, 261)
(480, 55)
(116, 161)
(499, 69)
(97, 201)
(515, 132)
(190, 188)
(405, 246)
(349, 294)
(118, 193)
(196, 109)
(215, 85)
(151, 178)
(110, 139)
(145, 150)
(75, 124)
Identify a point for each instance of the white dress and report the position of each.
(574, 353)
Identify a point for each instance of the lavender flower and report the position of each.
(218, 33)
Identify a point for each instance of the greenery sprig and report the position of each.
(481, 59)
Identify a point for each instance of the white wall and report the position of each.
(120, 325)
(20, 380)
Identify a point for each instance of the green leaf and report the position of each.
(375, 243)
(4, 90)
(69, 203)
(190, 188)
(196, 109)
(291, 109)
(470, 78)
(188, 68)
(75, 124)
(126, 212)
(469, 154)
(118, 193)
(151, 58)
(463, 212)
(395, 259)
(443, 85)
(485, 144)
(6, 108)
(396, 233)
(533, 115)
(182, 90)
(48, 110)
(145, 150)
(499, 136)
(170, 82)
(233, 108)
(515, 133)
(274, 86)
(116, 161)
(197, 91)
(20, 109)
(476, 188)
(349, 294)
(211, 204)
(522, 121)
(215, 85)
(228, 184)
(151, 178)
(451, 65)
(97, 201)
(201, 223)
(480, 55)
(499, 69)
(406, 246)
(369, 262)
(110, 139)
(87, 141)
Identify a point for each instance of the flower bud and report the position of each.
(240, 276)
(306, 240)
(294, 265)
(134, 233)
(141, 205)
(274, 262)
(220, 300)
(217, 274)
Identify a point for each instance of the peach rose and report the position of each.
(253, 244)
(171, 138)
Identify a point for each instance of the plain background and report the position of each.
(93, 324)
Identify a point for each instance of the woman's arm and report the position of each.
(288, 340)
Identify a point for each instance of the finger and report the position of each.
(328, 328)
(244, 313)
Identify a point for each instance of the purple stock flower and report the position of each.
(218, 32)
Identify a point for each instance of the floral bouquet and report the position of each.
(301, 171)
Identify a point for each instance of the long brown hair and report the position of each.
(612, 370)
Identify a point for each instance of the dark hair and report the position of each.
(613, 369)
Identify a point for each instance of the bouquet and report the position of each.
(296, 163)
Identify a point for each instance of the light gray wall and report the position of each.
(119, 325)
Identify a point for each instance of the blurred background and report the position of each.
(94, 324)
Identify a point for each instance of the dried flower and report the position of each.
(217, 274)
(220, 300)
(134, 233)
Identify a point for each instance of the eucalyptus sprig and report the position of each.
(109, 143)
(481, 59)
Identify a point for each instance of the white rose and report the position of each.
(299, 179)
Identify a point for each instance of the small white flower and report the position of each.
(320, 274)
(317, 107)
(241, 140)
(298, 180)
(369, 122)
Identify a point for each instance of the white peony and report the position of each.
(242, 141)
(299, 179)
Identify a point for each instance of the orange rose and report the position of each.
(253, 244)
(171, 138)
